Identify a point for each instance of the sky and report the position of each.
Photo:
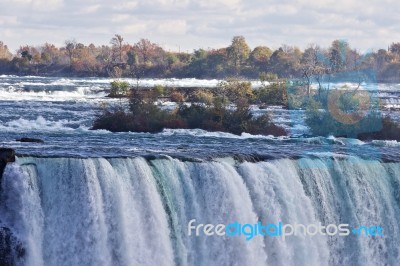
(185, 25)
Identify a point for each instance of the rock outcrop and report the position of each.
(33, 140)
(6, 156)
(11, 250)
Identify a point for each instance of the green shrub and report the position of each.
(356, 123)
(273, 94)
(119, 88)
(233, 89)
(390, 131)
(145, 116)
(159, 90)
(204, 96)
(177, 97)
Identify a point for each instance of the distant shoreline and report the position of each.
(146, 59)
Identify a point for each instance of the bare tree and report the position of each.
(116, 42)
(148, 51)
(312, 67)
(70, 48)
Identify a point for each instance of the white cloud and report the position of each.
(8, 20)
(230, 4)
(162, 5)
(172, 3)
(134, 28)
(124, 6)
(202, 23)
(173, 27)
(87, 10)
(118, 18)
(37, 5)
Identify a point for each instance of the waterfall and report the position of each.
(132, 211)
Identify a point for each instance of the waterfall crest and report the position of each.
(130, 211)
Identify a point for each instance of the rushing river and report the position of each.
(61, 111)
(88, 197)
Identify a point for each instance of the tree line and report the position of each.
(148, 59)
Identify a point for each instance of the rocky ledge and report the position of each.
(7, 155)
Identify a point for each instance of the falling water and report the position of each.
(130, 211)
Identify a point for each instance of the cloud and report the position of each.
(8, 20)
(87, 10)
(34, 5)
(120, 18)
(206, 23)
(172, 27)
(124, 5)
(134, 28)
(226, 4)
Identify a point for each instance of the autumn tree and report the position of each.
(104, 57)
(285, 61)
(381, 58)
(260, 56)
(394, 49)
(238, 52)
(29, 54)
(144, 49)
(50, 54)
(117, 48)
(313, 66)
(136, 69)
(85, 61)
(353, 59)
(4, 52)
(70, 49)
(338, 55)
(148, 52)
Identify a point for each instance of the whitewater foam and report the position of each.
(126, 211)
